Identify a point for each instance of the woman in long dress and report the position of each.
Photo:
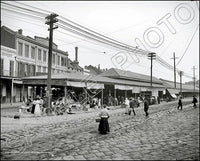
(103, 125)
(37, 111)
(127, 106)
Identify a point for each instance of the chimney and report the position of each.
(20, 31)
(76, 54)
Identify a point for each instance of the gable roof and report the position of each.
(79, 77)
(128, 75)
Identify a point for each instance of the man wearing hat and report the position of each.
(132, 104)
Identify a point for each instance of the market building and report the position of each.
(111, 85)
(187, 90)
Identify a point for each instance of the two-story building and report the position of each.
(23, 56)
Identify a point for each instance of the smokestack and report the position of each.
(20, 31)
(76, 54)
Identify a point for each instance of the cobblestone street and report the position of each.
(167, 134)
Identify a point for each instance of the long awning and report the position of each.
(75, 84)
(17, 82)
(123, 87)
(173, 91)
(173, 95)
(94, 85)
(136, 89)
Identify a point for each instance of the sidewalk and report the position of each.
(9, 105)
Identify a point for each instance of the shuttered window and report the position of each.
(39, 54)
(44, 56)
(11, 68)
(2, 67)
(26, 51)
(32, 52)
(20, 48)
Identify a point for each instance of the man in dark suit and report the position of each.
(132, 104)
(146, 106)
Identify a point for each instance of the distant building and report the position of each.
(23, 56)
(137, 84)
(171, 92)
(192, 83)
(94, 70)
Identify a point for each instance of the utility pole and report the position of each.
(51, 19)
(174, 69)
(181, 73)
(194, 76)
(151, 56)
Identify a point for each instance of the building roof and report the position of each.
(185, 87)
(128, 75)
(90, 78)
(72, 65)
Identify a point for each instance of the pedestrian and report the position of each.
(29, 104)
(29, 101)
(194, 101)
(37, 111)
(146, 106)
(180, 103)
(133, 104)
(99, 103)
(116, 101)
(158, 99)
(103, 124)
(33, 106)
(126, 106)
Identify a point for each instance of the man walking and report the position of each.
(146, 106)
(194, 101)
(180, 103)
(132, 105)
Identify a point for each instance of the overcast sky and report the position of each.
(125, 21)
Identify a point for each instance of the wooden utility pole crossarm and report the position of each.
(51, 19)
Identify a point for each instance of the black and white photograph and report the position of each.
(99, 80)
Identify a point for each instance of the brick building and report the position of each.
(23, 56)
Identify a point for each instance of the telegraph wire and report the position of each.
(126, 46)
(188, 45)
(114, 40)
(47, 12)
(29, 10)
(25, 14)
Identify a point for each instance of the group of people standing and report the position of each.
(36, 105)
(131, 104)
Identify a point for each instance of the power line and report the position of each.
(25, 14)
(188, 45)
(123, 46)
(103, 37)
(28, 10)
(48, 12)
